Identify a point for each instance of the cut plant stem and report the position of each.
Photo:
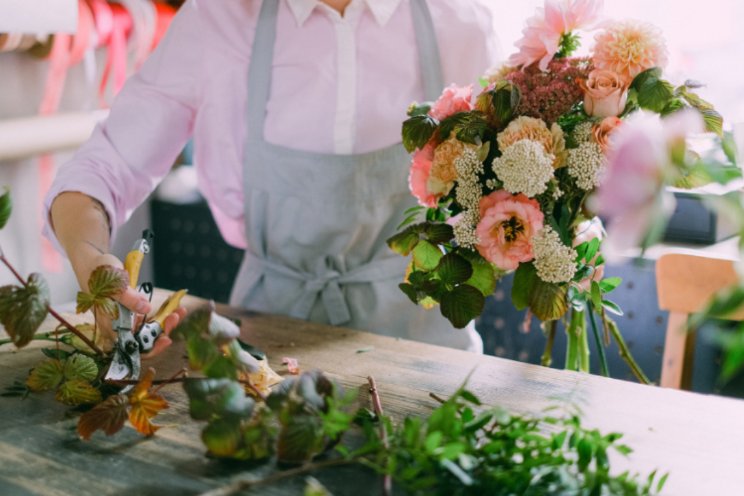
(625, 351)
(240, 485)
(547, 357)
(52, 312)
(572, 341)
(600, 349)
(387, 481)
(437, 398)
(181, 374)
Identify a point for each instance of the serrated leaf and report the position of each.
(6, 207)
(454, 269)
(108, 416)
(426, 256)
(404, 242)
(145, 405)
(78, 392)
(195, 324)
(80, 367)
(484, 276)
(653, 93)
(46, 376)
(417, 130)
(23, 309)
(525, 279)
(300, 439)
(222, 437)
(107, 281)
(409, 291)
(438, 233)
(462, 304)
(547, 300)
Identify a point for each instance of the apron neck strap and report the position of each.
(262, 56)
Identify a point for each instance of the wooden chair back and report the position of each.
(685, 285)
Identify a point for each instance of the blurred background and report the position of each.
(705, 42)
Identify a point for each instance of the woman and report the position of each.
(295, 107)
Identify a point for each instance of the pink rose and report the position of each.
(507, 226)
(587, 231)
(418, 177)
(605, 94)
(453, 99)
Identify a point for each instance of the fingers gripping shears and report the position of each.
(130, 344)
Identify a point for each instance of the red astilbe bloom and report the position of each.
(548, 95)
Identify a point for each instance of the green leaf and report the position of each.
(713, 120)
(56, 354)
(46, 376)
(419, 109)
(653, 92)
(454, 269)
(404, 242)
(612, 307)
(410, 291)
(426, 256)
(222, 397)
(548, 301)
(591, 250)
(107, 281)
(195, 324)
(222, 437)
(78, 392)
(300, 439)
(417, 130)
(525, 279)
(23, 309)
(596, 294)
(458, 472)
(505, 100)
(438, 233)
(462, 304)
(81, 367)
(484, 276)
(6, 207)
(728, 145)
(609, 284)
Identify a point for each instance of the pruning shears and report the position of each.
(130, 345)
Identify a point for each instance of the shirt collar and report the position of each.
(382, 10)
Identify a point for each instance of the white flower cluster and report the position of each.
(583, 132)
(524, 167)
(554, 261)
(586, 164)
(465, 234)
(468, 167)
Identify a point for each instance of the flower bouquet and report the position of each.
(512, 179)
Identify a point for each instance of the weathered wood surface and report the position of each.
(699, 439)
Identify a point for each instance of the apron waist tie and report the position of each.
(326, 282)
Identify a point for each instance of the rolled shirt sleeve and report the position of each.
(149, 123)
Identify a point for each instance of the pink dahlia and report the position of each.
(453, 99)
(629, 48)
(541, 36)
(507, 226)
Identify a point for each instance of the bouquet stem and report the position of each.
(572, 340)
(600, 348)
(625, 351)
(547, 357)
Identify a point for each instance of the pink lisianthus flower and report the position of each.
(507, 226)
(632, 195)
(453, 99)
(541, 36)
(418, 177)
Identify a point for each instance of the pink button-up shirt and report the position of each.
(339, 85)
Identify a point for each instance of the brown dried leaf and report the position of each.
(145, 405)
(108, 416)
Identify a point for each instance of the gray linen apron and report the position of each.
(316, 223)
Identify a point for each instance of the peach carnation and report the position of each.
(534, 129)
(506, 228)
(418, 177)
(629, 48)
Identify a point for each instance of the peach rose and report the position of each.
(605, 94)
(603, 131)
(508, 224)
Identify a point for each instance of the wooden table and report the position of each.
(699, 439)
